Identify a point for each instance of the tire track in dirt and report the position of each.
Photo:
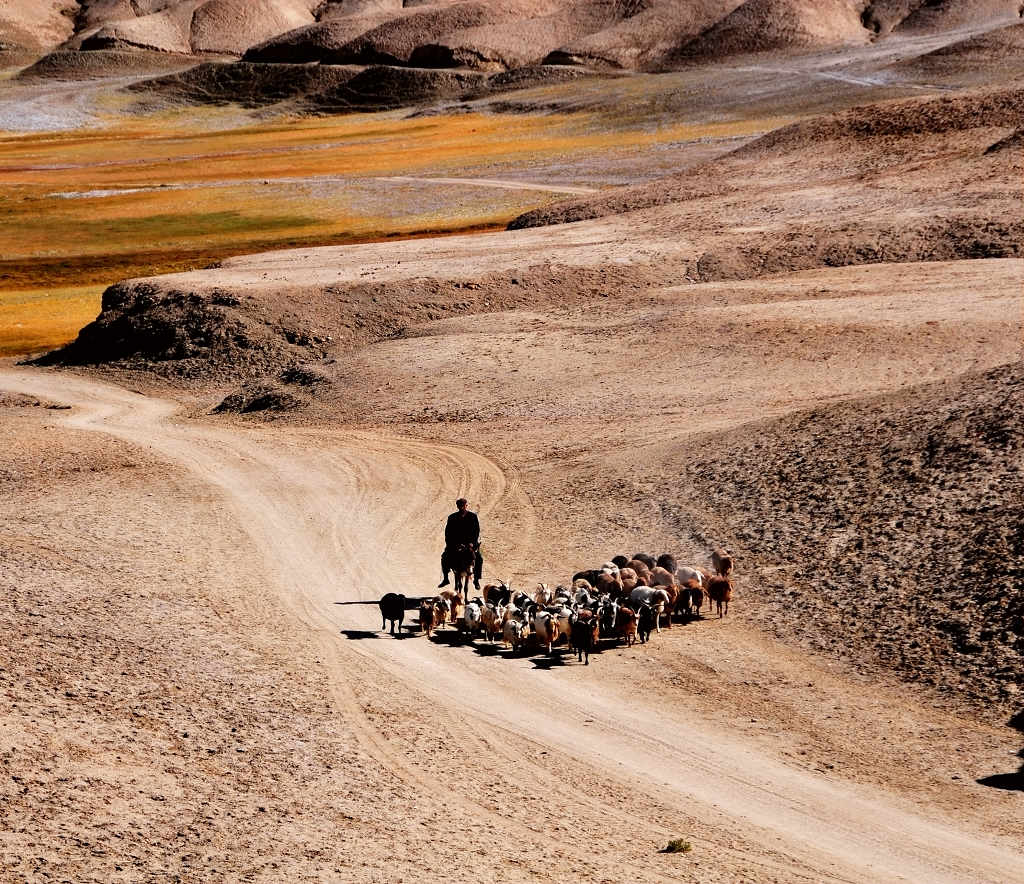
(346, 515)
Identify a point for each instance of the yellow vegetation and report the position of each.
(174, 193)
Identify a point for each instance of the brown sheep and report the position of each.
(720, 592)
(668, 562)
(640, 568)
(609, 584)
(628, 578)
(721, 561)
(662, 577)
(649, 561)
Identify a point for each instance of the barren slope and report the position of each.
(636, 760)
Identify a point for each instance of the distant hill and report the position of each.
(629, 34)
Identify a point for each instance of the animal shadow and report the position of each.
(1011, 782)
(547, 663)
(356, 634)
(451, 638)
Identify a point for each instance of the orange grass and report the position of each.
(45, 318)
(239, 196)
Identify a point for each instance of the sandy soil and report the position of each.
(195, 684)
(375, 754)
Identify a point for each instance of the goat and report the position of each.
(515, 632)
(427, 612)
(392, 608)
(585, 635)
(625, 625)
(545, 625)
(499, 593)
(656, 598)
(472, 619)
(646, 620)
(490, 617)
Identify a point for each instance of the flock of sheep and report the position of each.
(623, 600)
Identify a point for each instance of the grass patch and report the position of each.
(677, 845)
(209, 189)
(43, 319)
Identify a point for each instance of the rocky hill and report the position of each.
(892, 526)
(470, 34)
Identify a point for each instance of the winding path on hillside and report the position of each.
(345, 515)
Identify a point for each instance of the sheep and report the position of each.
(721, 561)
(590, 575)
(667, 561)
(662, 577)
(628, 579)
(641, 569)
(697, 597)
(621, 561)
(649, 561)
(542, 595)
(690, 598)
(545, 625)
(392, 609)
(685, 574)
(605, 583)
(720, 592)
(585, 635)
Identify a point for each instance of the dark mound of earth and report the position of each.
(888, 531)
(323, 42)
(189, 334)
(385, 88)
(337, 88)
(67, 64)
(251, 85)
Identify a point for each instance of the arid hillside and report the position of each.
(282, 280)
(854, 255)
(466, 39)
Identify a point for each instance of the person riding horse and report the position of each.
(462, 527)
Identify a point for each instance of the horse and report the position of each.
(462, 559)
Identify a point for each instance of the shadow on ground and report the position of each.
(1013, 782)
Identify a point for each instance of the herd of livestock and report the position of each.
(625, 600)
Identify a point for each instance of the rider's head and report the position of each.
(462, 503)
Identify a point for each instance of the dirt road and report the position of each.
(344, 516)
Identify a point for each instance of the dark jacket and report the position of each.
(462, 529)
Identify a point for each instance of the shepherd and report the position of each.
(462, 528)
